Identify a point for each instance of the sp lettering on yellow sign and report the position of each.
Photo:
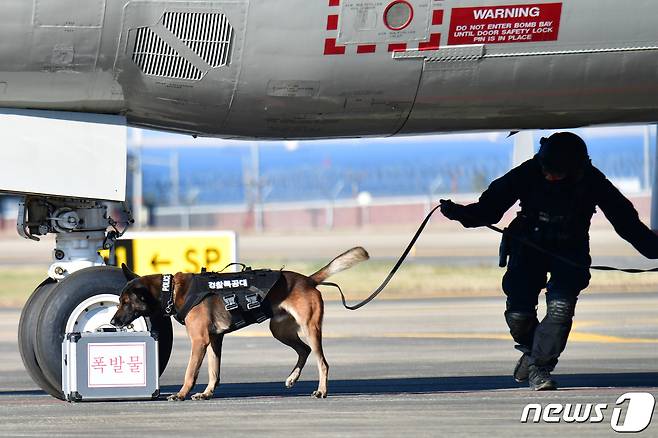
(170, 252)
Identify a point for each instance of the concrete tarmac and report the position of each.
(428, 368)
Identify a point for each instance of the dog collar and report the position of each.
(167, 294)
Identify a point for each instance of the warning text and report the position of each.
(505, 24)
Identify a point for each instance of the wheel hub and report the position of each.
(95, 314)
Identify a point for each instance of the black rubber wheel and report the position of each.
(62, 301)
(27, 332)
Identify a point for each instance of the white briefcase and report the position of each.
(110, 366)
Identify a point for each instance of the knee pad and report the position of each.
(560, 310)
(520, 323)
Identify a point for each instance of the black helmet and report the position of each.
(563, 153)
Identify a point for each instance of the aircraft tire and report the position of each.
(27, 332)
(90, 285)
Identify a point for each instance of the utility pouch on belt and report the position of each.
(503, 250)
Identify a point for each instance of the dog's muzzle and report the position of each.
(119, 322)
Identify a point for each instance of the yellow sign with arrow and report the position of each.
(170, 252)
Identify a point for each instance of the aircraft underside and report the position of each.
(333, 68)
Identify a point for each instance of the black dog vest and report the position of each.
(243, 294)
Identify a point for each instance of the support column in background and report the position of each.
(654, 190)
(524, 147)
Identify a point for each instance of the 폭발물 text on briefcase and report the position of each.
(110, 366)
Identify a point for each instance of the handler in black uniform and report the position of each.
(559, 189)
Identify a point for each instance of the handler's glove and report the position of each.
(451, 210)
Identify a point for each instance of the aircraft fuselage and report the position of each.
(333, 68)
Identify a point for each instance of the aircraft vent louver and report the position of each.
(157, 58)
(209, 35)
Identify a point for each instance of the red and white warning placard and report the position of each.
(505, 24)
(369, 26)
(116, 365)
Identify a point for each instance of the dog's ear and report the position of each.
(130, 275)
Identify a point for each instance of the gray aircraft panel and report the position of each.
(335, 68)
(180, 89)
(609, 78)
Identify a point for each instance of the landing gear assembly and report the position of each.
(81, 293)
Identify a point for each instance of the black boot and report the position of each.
(540, 379)
(522, 326)
(552, 333)
(521, 371)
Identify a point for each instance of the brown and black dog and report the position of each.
(297, 309)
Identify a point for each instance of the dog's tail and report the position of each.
(344, 261)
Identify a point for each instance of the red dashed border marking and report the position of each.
(396, 47)
(331, 48)
(437, 17)
(332, 22)
(432, 44)
(366, 48)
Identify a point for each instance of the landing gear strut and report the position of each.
(81, 293)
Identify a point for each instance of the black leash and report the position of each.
(542, 250)
(390, 274)
(519, 239)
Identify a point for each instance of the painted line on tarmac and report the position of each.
(605, 339)
(574, 337)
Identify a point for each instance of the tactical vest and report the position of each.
(243, 294)
(556, 217)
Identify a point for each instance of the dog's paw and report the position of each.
(175, 397)
(201, 396)
(292, 378)
(319, 394)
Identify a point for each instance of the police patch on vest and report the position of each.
(228, 284)
(243, 294)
